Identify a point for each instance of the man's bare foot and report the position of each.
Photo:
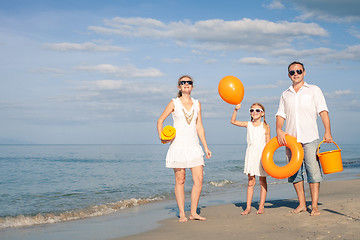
(260, 211)
(299, 209)
(197, 217)
(315, 212)
(183, 219)
(246, 212)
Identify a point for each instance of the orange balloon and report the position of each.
(231, 90)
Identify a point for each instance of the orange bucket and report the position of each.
(330, 161)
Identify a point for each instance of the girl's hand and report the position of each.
(238, 106)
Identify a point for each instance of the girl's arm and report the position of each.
(169, 109)
(233, 118)
(201, 133)
(267, 134)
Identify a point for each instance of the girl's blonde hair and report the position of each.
(266, 126)
(179, 80)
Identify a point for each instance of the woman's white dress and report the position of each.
(256, 142)
(185, 150)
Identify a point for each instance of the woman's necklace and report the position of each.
(188, 117)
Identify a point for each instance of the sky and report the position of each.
(102, 72)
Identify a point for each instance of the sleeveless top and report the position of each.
(256, 142)
(185, 150)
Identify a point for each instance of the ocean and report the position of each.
(42, 184)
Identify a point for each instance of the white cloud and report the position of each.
(211, 61)
(275, 5)
(88, 47)
(215, 34)
(330, 10)
(277, 84)
(354, 32)
(349, 53)
(254, 61)
(173, 60)
(128, 71)
(289, 52)
(45, 70)
(343, 92)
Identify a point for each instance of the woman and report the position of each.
(185, 150)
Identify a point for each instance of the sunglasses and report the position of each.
(184, 82)
(297, 71)
(258, 110)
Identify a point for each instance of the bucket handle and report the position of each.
(317, 152)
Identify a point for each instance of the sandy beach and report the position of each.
(340, 219)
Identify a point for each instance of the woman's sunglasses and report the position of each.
(297, 71)
(258, 110)
(184, 82)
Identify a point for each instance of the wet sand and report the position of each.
(339, 204)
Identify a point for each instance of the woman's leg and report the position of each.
(197, 175)
(180, 176)
(263, 191)
(249, 195)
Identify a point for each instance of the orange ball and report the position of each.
(231, 90)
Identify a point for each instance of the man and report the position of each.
(299, 106)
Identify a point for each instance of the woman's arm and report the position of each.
(201, 133)
(169, 109)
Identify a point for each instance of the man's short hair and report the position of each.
(293, 63)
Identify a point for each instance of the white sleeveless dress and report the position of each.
(256, 142)
(185, 150)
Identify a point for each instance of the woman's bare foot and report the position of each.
(260, 211)
(315, 212)
(299, 209)
(246, 212)
(196, 217)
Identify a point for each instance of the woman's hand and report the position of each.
(208, 153)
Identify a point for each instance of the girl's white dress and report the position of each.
(256, 142)
(185, 150)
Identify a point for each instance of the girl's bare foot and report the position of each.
(246, 212)
(314, 212)
(197, 217)
(183, 219)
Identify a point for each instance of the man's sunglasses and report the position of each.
(258, 110)
(184, 82)
(297, 71)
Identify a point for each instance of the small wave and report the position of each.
(93, 211)
(220, 183)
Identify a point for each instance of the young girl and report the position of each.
(185, 150)
(258, 134)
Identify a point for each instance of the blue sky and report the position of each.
(88, 72)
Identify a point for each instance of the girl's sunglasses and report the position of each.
(297, 71)
(258, 110)
(184, 82)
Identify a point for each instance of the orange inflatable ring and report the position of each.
(168, 133)
(297, 155)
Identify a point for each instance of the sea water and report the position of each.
(42, 184)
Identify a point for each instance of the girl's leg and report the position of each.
(197, 174)
(250, 193)
(263, 191)
(180, 175)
